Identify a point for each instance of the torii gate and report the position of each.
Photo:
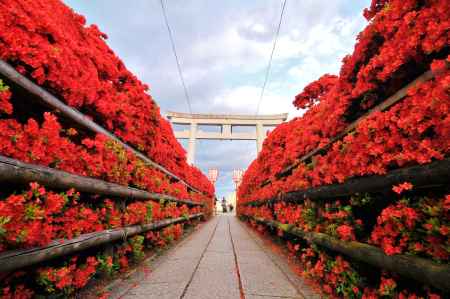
(226, 122)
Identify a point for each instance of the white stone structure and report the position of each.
(226, 122)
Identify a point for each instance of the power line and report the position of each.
(174, 50)
(271, 57)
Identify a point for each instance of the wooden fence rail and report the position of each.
(14, 171)
(419, 269)
(17, 259)
(389, 102)
(74, 115)
(433, 174)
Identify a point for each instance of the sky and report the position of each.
(224, 49)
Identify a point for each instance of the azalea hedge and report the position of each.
(37, 216)
(402, 41)
(336, 276)
(405, 224)
(52, 45)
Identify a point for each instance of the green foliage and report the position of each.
(137, 246)
(309, 216)
(185, 216)
(361, 200)
(44, 281)
(149, 214)
(106, 264)
(3, 220)
(3, 86)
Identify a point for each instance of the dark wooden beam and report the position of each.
(14, 171)
(433, 174)
(17, 259)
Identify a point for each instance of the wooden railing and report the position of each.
(17, 259)
(419, 269)
(49, 100)
(389, 102)
(14, 171)
(429, 175)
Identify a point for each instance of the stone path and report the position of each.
(223, 259)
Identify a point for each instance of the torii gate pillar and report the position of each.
(226, 122)
(259, 136)
(191, 146)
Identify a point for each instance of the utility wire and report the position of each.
(271, 57)
(174, 50)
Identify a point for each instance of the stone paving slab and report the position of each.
(206, 265)
(218, 260)
(216, 276)
(187, 253)
(280, 260)
(221, 242)
(259, 274)
(173, 272)
(262, 278)
(156, 291)
(219, 281)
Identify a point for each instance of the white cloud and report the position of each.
(230, 49)
(245, 99)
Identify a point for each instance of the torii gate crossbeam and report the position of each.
(226, 122)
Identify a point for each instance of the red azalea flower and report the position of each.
(345, 232)
(402, 187)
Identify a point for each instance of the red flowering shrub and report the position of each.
(398, 45)
(51, 44)
(403, 40)
(48, 144)
(68, 278)
(335, 276)
(402, 187)
(27, 220)
(166, 236)
(36, 217)
(19, 292)
(312, 93)
(421, 228)
(172, 233)
(395, 223)
(410, 132)
(111, 215)
(302, 216)
(345, 232)
(5, 94)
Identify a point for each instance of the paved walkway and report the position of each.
(223, 259)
